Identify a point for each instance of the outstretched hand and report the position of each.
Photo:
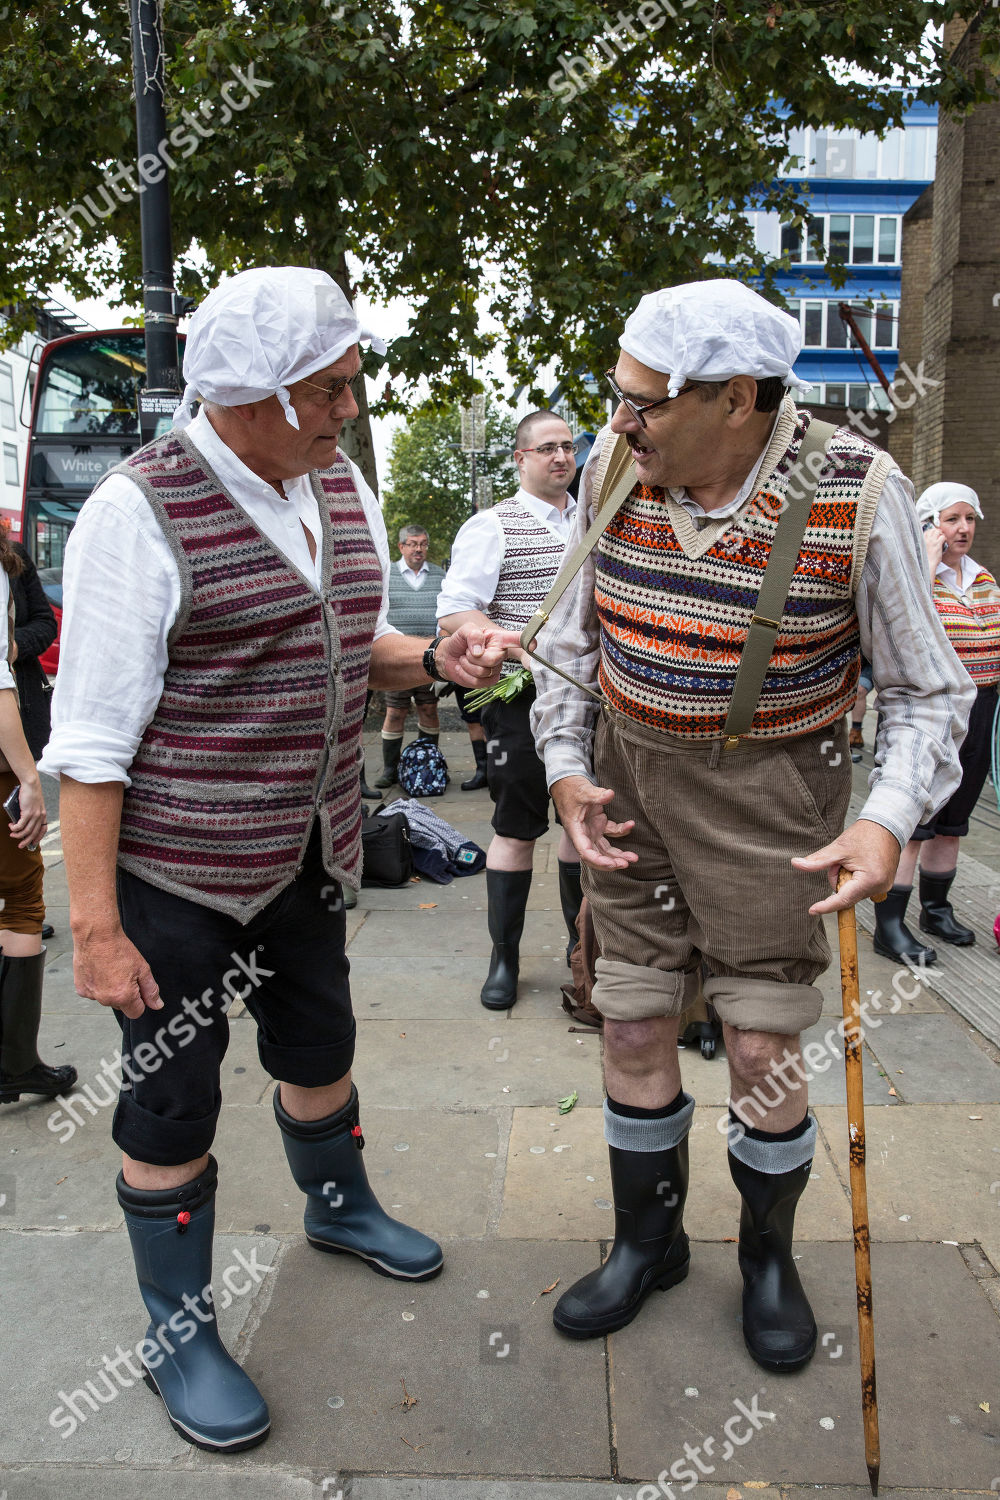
(581, 808)
(867, 851)
(473, 656)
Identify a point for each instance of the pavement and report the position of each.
(460, 1389)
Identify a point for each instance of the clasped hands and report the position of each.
(474, 654)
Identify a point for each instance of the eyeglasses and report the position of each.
(639, 411)
(334, 392)
(547, 449)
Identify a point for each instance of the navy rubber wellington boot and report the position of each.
(342, 1214)
(210, 1401)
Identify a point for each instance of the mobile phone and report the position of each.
(926, 527)
(12, 807)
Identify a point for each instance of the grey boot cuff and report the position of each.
(627, 1134)
(773, 1157)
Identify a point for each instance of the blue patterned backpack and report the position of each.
(423, 770)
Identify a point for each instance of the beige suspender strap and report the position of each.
(771, 600)
(614, 481)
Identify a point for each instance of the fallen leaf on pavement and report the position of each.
(733, 1494)
(984, 1406)
(547, 1289)
(892, 1091)
(62, 1179)
(566, 1104)
(415, 1446)
(427, 906)
(407, 1400)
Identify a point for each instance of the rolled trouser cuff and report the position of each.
(631, 992)
(660, 1134)
(770, 1156)
(764, 1004)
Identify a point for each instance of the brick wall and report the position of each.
(917, 231)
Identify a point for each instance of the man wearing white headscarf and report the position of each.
(225, 610)
(967, 598)
(689, 834)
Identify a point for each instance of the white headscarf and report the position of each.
(938, 497)
(260, 331)
(712, 330)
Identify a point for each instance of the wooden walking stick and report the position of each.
(847, 933)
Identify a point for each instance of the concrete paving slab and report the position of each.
(60, 1340)
(929, 1169)
(530, 1489)
(439, 1064)
(459, 932)
(551, 1160)
(456, 896)
(938, 1358)
(932, 1060)
(432, 1168)
(439, 987)
(482, 1369)
(58, 1181)
(125, 1480)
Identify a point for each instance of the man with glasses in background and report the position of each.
(225, 609)
(503, 563)
(414, 585)
(709, 839)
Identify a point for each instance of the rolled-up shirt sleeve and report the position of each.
(121, 595)
(476, 556)
(924, 693)
(376, 525)
(563, 717)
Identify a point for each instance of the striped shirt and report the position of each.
(924, 692)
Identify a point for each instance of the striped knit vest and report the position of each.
(532, 556)
(673, 625)
(414, 611)
(257, 728)
(973, 625)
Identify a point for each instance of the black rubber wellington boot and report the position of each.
(893, 939)
(210, 1401)
(936, 915)
(778, 1324)
(343, 1215)
(507, 900)
(478, 777)
(570, 896)
(21, 1069)
(391, 751)
(650, 1248)
(368, 793)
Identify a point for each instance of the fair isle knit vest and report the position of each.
(972, 622)
(414, 611)
(675, 604)
(532, 556)
(257, 728)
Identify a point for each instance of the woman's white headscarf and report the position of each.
(938, 497)
(262, 330)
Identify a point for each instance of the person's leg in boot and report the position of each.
(772, 1139)
(170, 1217)
(477, 739)
(324, 1143)
(648, 1153)
(938, 866)
(428, 719)
(22, 970)
(570, 892)
(892, 937)
(392, 739)
(508, 882)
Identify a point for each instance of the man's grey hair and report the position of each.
(406, 532)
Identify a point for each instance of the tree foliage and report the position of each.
(434, 143)
(429, 482)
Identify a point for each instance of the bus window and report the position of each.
(89, 387)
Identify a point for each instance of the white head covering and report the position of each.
(712, 330)
(938, 497)
(260, 331)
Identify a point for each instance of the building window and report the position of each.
(812, 324)
(836, 395)
(840, 237)
(851, 239)
(10, 467)
(864, 239)
(7, 398)
(885, 326)
(887, 235)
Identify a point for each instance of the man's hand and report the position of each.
(29, 830)
(111, 970)
(868, 852)
(473, 656)
(581, 807)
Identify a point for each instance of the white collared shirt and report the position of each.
(415, 580)
(6, 675)
(958, 580)
(122, 593)
(477, 553)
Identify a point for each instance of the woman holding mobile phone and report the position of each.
(967, 598)
(22, 958)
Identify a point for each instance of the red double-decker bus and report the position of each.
(84, 420)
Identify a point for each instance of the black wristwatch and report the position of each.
(429, 664)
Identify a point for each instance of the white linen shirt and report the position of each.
(6, 675)
(122, 593)
(415, 580)
(964, 577)
(478, 549)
